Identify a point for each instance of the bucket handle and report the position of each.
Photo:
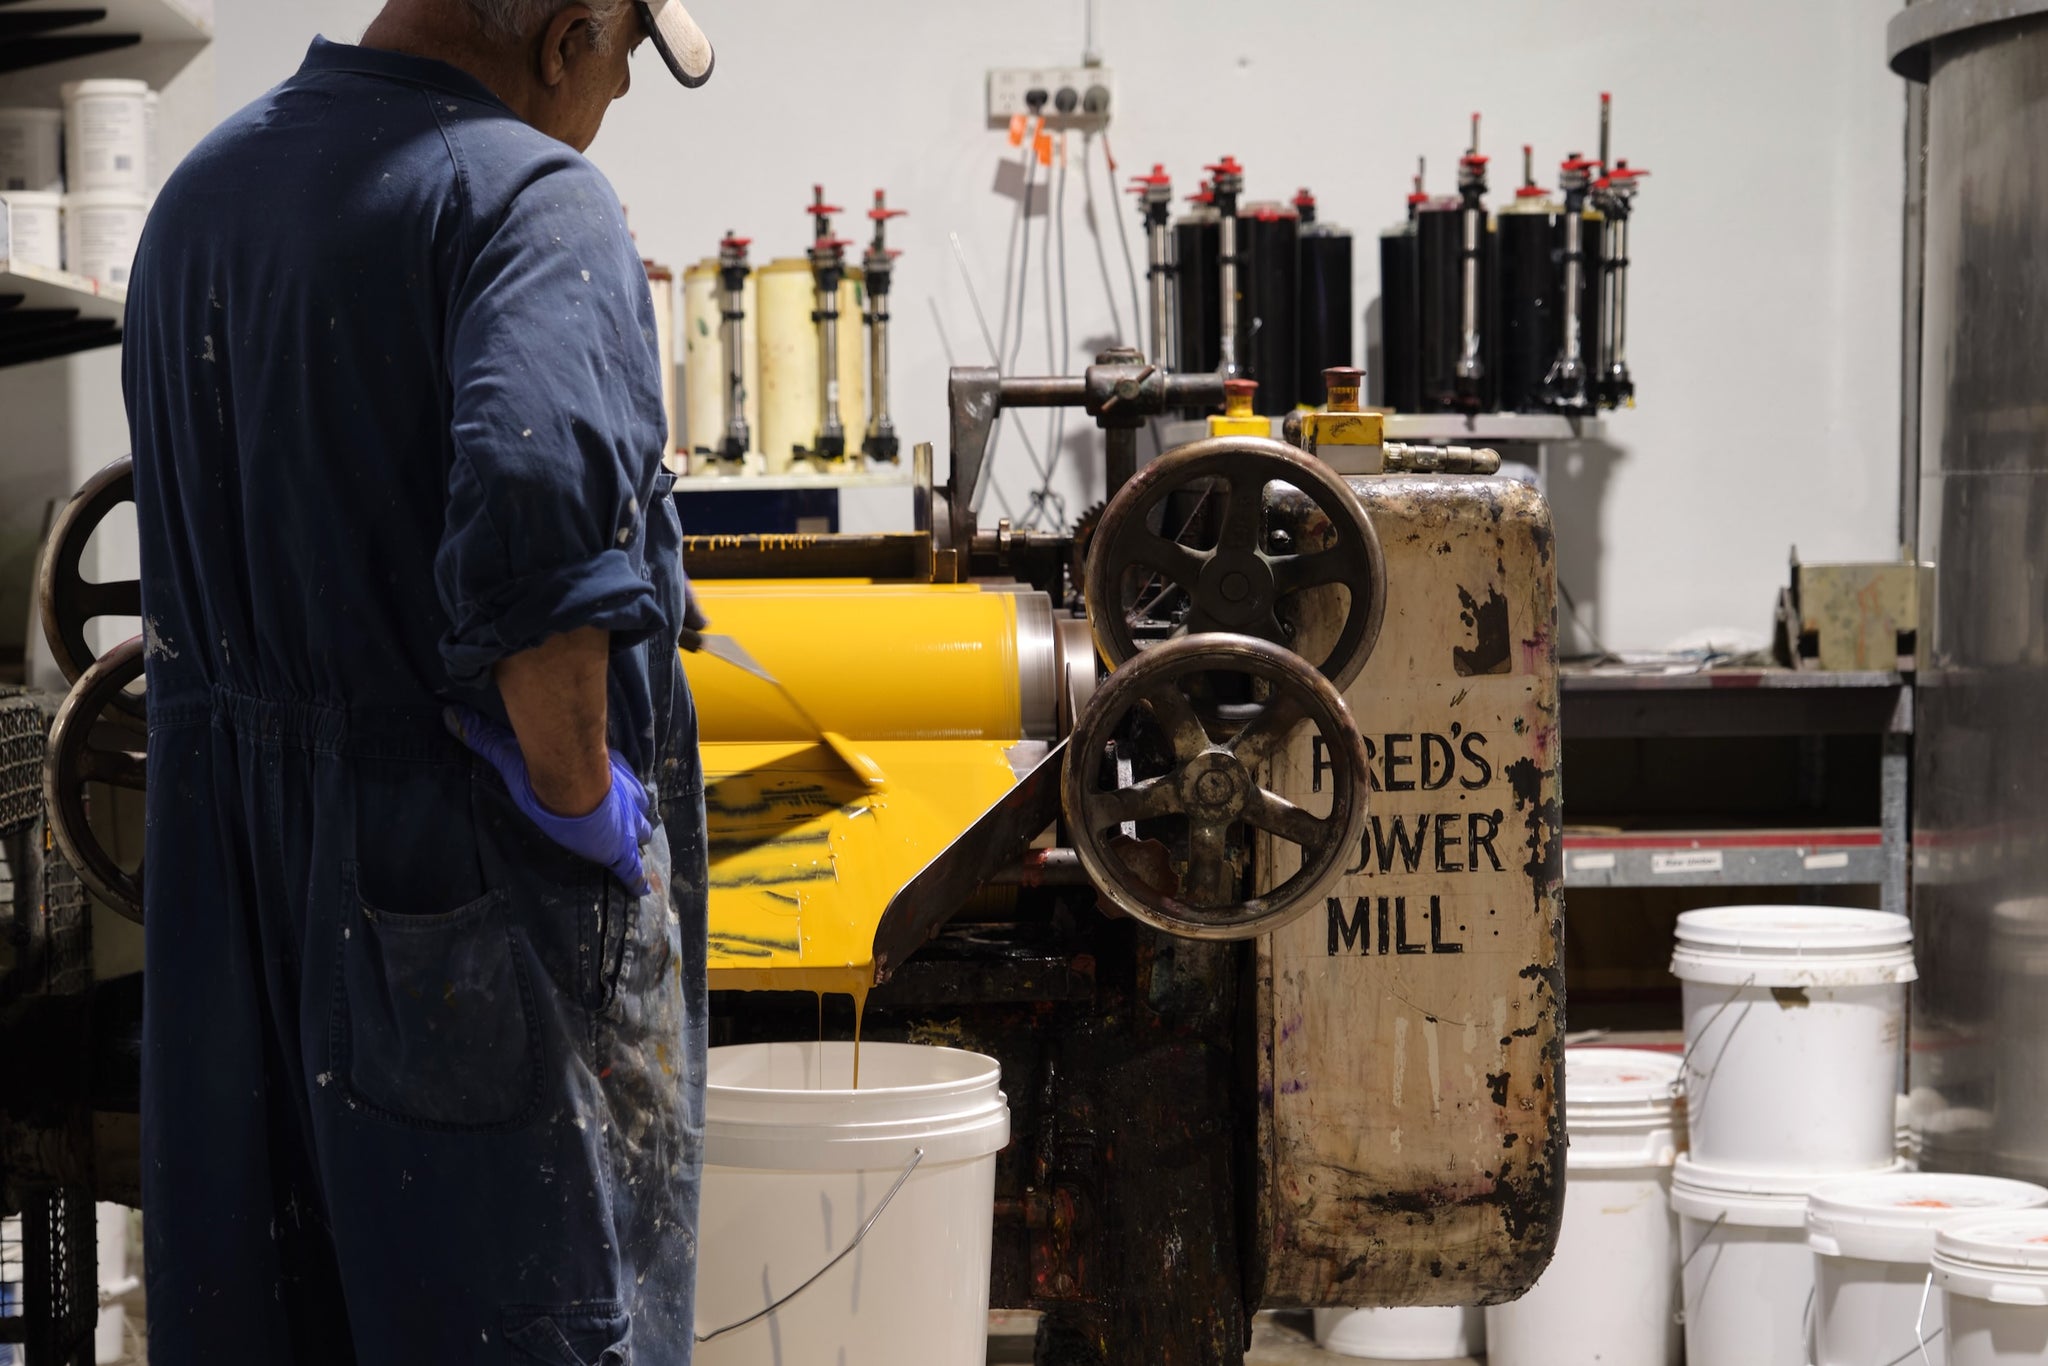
(1920, 1329)
(1685, 1060)
(916, 1156)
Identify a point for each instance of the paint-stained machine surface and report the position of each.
(1410, 1117)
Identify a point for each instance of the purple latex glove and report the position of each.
(610, 836)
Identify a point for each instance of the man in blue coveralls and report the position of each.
(424, 1033)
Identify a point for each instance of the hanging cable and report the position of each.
(1023, 270)
(1010, 260)
(1060, 357)
(1123, 234)
(1116, 318)
(996, 427)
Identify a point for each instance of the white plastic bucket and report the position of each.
(34, 228)
(796, 1164)
(1744, 1264)
(1610, 1293)
(106, 136)
(1872, 1238)
(32, 150)
(102, 228)
(1794, 1033)
(1402, 1334)
(1992, 1272)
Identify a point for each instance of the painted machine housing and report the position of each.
(1410, 1076)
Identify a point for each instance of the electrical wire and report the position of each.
(1023, 269)
(1059, 357)
(1116, 318)
(1010, 260)
(1123, 234)
(988, 340)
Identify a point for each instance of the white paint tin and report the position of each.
(1402, 1334)
(1794, 1035)
(32, 150)
(1993, 1276)
(1871, 1239)
(106, 136)
(1746, 1270)
(1610, 1293)
(101, 232)
(33, 230)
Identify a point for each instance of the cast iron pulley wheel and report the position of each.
(97, 738)
(1163, 785)
(69, 600)
(1240, 584)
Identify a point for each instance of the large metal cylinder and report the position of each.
(1980, 821)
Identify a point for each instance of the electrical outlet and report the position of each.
(1086, 92)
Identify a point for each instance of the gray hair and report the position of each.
(517, 18)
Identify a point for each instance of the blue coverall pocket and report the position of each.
(434, 1018)
(578, 1335)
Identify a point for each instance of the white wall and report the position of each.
(1765, 309)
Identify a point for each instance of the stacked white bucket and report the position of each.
(75, 185)
(1795, 1021)
(1878, 1294)
(1610, 1292)
(844, 1226)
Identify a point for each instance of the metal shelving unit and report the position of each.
(1485, 429)
(1604, 704)
(44, 43)
(46, 313)
(885, 478)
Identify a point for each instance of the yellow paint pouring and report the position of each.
(805, 856)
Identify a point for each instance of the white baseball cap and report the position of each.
(681, 43)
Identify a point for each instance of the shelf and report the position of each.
(884, 478)
(47, 313)
(1485, 428)
(1444, 429)
(1725, 858)
(44, 43)
(1620, 704)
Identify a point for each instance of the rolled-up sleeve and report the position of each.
(558, 426)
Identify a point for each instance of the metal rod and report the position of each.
(880, 442)
(828, 266)
(1121, 458)
(1046, 391)
(1228, 184)
(1044, 868)
(732, 280)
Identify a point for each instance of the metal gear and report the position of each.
(1083, 536)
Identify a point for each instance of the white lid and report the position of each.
(1998, 1257)
(26, 115)
(1894, 1218)
(1621, 1107)
(1787, 946)
(106, 199)
(32, 199)
(1602, 1080)
(792, 1106)
(1747, 1199)
(73, 89)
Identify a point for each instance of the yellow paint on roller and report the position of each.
(805, 857)
(911, 662)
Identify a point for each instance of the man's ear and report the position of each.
(564, 41)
